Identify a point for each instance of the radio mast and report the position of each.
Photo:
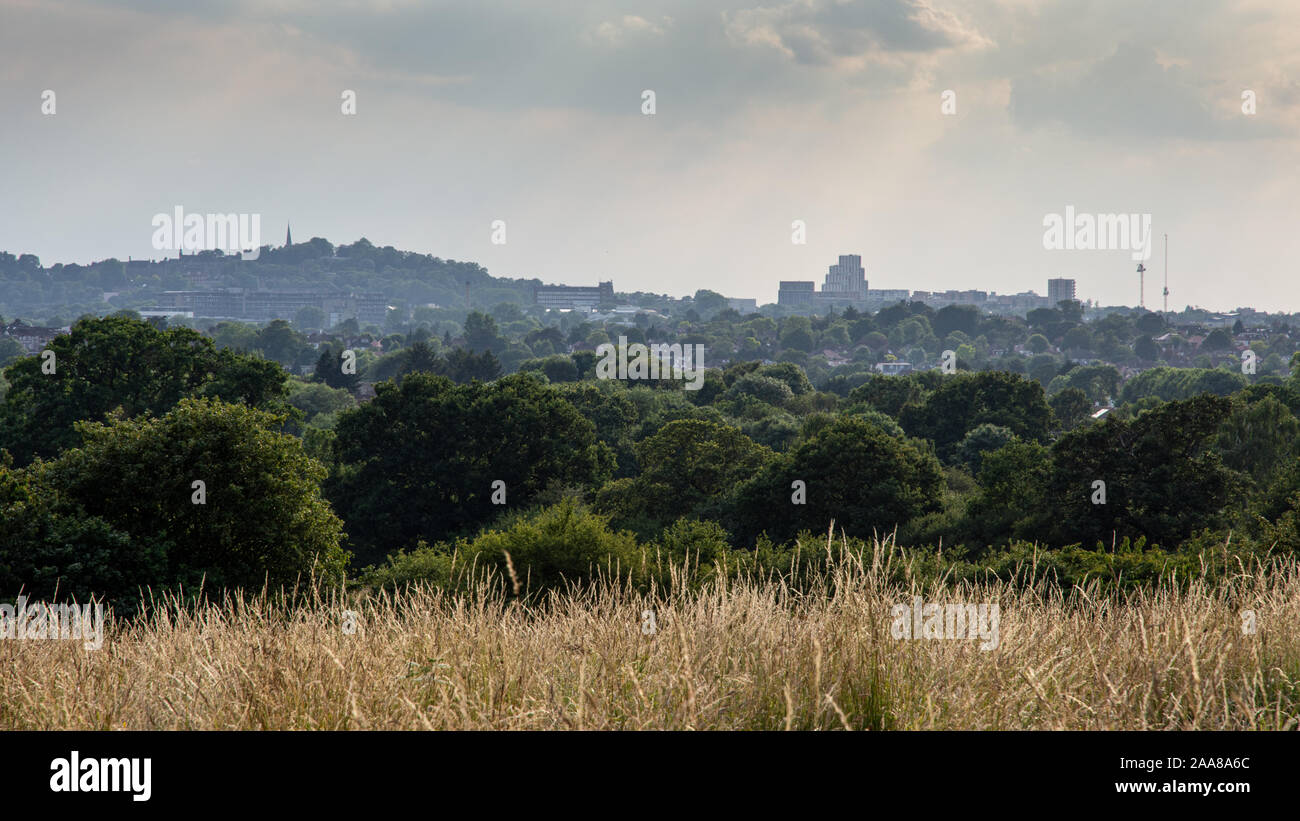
(1166, 293)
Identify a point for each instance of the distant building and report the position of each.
(146, 314)
(571, 297)
(742, 306)
(942, 299)
(1059, 290)
(260, 306)
(894, 368)
(1020, 303)
(878, 298)
(33, 338)
(845, 284)
(796, 292)
(846, 280)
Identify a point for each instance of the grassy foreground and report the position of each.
(738, 654)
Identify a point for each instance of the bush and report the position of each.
(548, 548)
(701, 542)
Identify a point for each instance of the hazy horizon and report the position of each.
(813, 110)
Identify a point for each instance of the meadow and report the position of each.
(741, 652)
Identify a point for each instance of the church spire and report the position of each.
(288, 235)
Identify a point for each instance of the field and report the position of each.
(741, 654)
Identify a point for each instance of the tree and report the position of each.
(709, 303)
(420, 358)
(481, 333)
(965, 401)
(1163, 479)
(462, 366)
(792, 375)
(798, 339)
(130, 491)
(317, 399)
(119, 365)
(1071, 310)
(1181, 383)
(1146, 349)
(854, 473)
(982, 439)
(556, 368)
(1038, 343)
(421, 459)
(952, 318)
(763, 388)
(1258, 438)
(10, 350)
(309, 318)
(237, 335)
(1218, 340)
(615, 416)
(279, 341)
(330, 370)
(1009, 502)
(694, 461)
(1078, 338)
(1071, 407)
(1150, 323)
(889, 394)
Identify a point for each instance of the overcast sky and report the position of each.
(815, 110)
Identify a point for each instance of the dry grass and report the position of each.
(749, 654)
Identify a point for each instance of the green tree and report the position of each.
(980, 440)
(331, 371)
(130, 491)
(687, 467)
(119, 365)
(763, 388)
(965, 401)
(1009, 502)
(1071, 407)
(481, 333)
(1145, 349)
(10, 351)
(1217, 340)
(854, 473)
(317, 399)
(280, 342)
(419, 461)
(1163, 478)
(1259, 438)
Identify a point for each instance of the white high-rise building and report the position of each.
(847, 279)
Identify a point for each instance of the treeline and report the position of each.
(146, 457)
(58, 293)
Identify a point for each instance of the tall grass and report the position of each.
(741, 652)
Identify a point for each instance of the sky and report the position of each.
(532, 113)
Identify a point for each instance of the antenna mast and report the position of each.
(1142, 286)
(1166, 310)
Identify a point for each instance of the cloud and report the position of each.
(823, 32)
(618, 32)
(1126, 93)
